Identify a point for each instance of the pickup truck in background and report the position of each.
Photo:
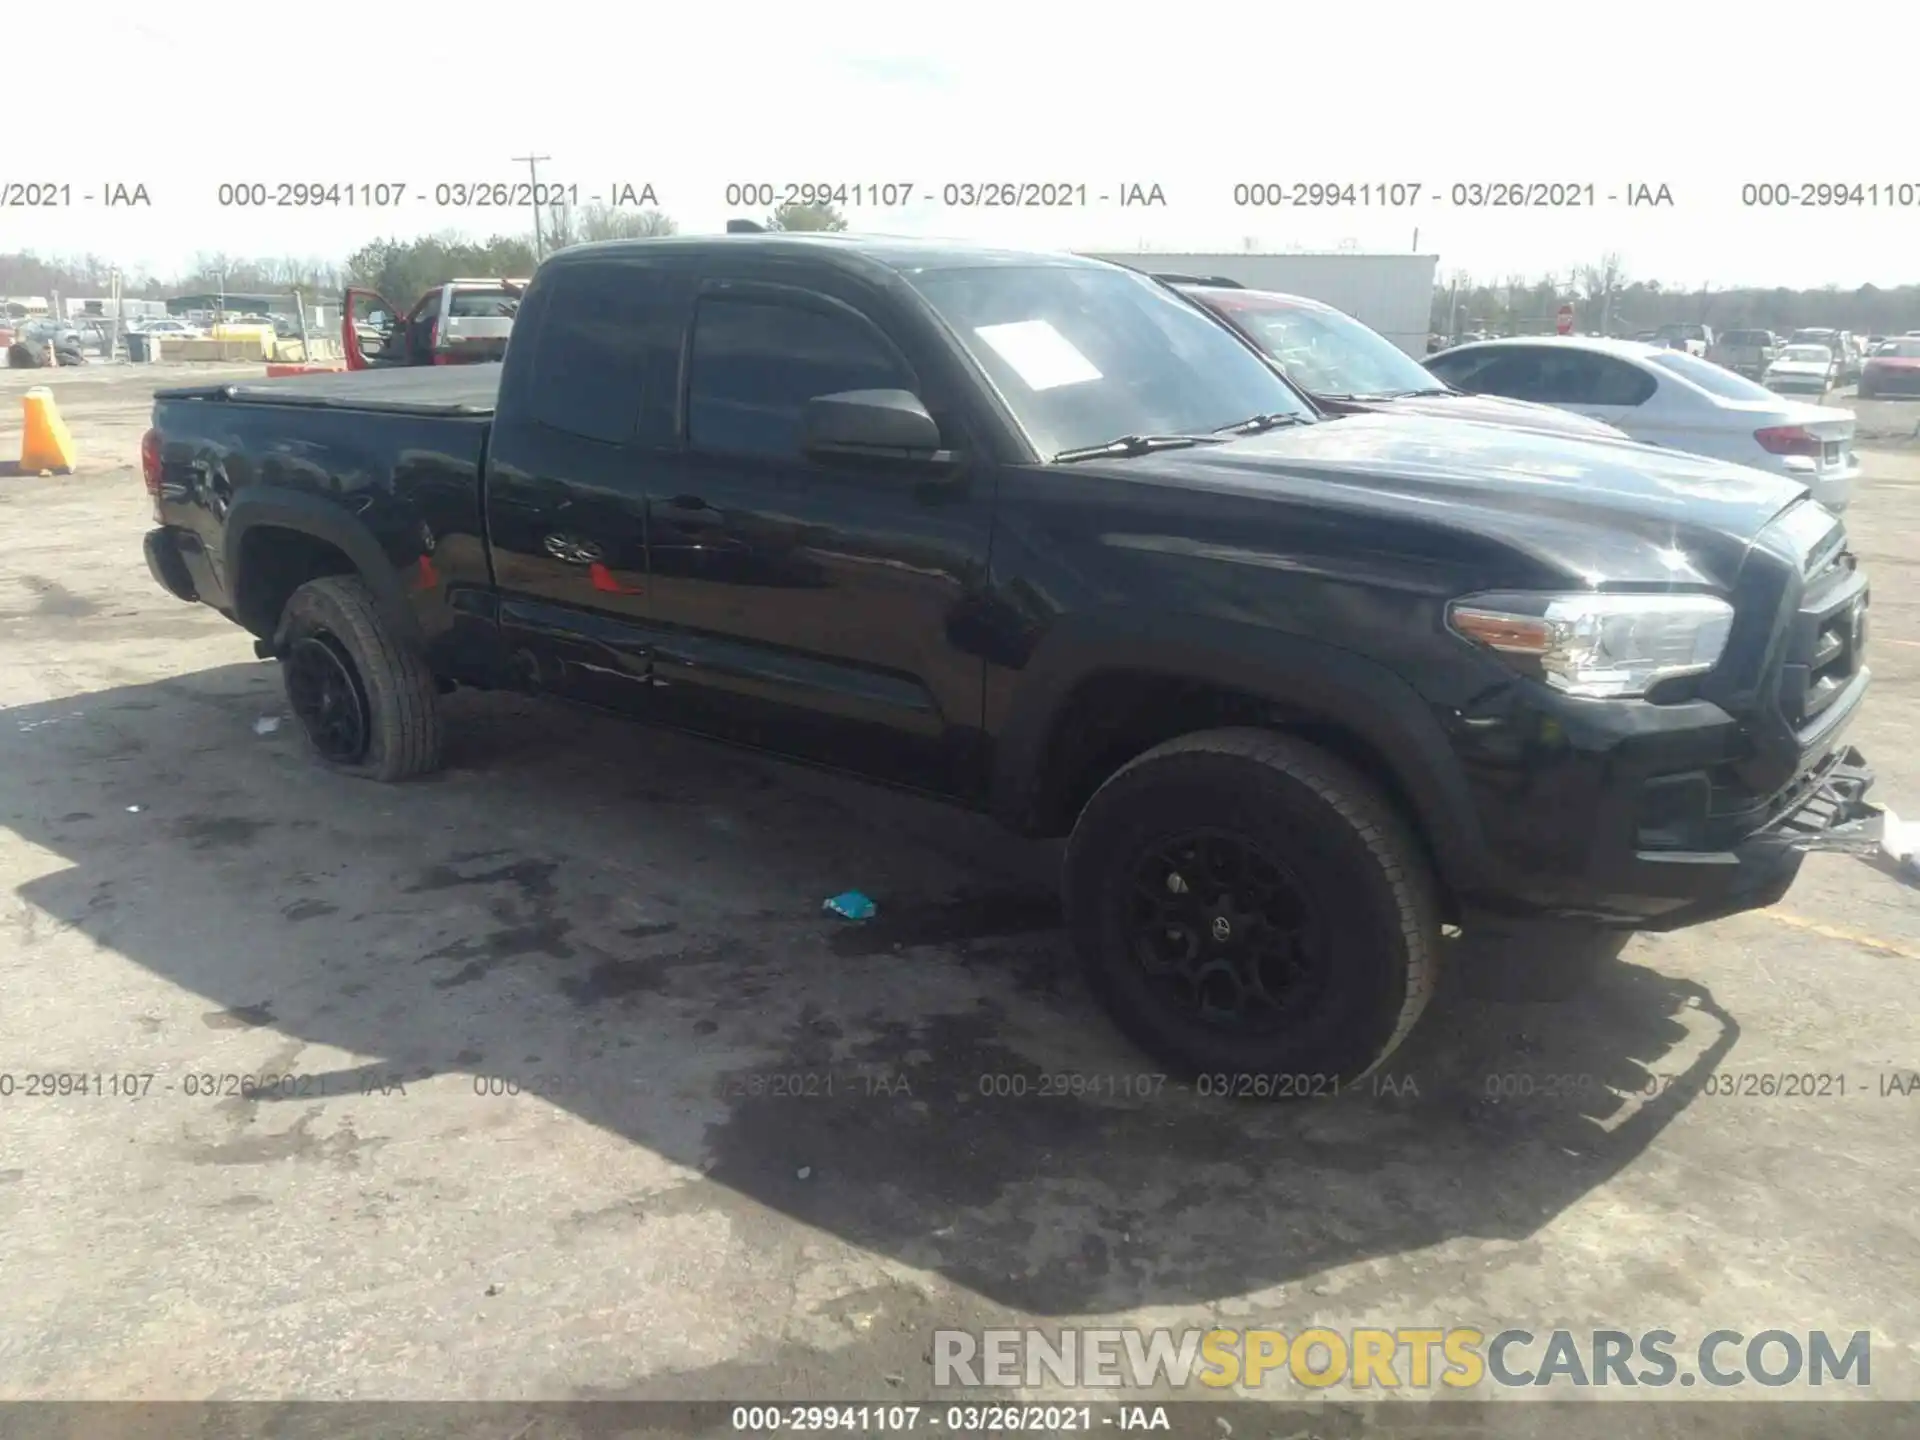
(1037, 535)
(1746, 352)
(1694, 339)
(461, 322)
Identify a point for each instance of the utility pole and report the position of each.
(532, 162)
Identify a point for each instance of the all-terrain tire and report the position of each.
(400, 700)
(1337, 839)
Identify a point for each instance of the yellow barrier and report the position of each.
(194, 348)
(46, 443)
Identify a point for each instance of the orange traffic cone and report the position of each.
(46, 443)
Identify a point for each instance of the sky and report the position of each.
(1195, 99)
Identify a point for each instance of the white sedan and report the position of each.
(1667, 398)
(1807, 368)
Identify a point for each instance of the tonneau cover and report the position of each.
(418, 390)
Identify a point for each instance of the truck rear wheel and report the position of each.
(1253, 912)
(367, 703)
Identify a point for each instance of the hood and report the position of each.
(1802, 367)
(1492, 410)
(1593, 512)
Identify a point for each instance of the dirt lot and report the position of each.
(536, 1014)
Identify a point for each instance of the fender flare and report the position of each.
(1302, 677)
(326, 521)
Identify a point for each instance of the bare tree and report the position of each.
(569, 226)
(1600, 285)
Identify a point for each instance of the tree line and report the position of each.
(1605, 300)
(397, 269)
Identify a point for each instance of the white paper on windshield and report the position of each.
(1040, 355)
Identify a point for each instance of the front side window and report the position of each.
(1085, 354)
(756, 363)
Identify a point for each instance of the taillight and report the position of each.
(150, 466)
(1788, 440)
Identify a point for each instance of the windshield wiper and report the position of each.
(1260, 424)
(1127, 446)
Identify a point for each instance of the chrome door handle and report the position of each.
(571, 552)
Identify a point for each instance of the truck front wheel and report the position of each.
(367, 703)
(1253, 912)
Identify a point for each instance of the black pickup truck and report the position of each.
(1036, 534)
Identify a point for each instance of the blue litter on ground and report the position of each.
(851, 905)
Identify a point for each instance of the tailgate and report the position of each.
(460, 331)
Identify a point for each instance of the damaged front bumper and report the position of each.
(1829, 811)
(1833, 815)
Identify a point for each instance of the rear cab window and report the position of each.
(602, 328)
(471, 304)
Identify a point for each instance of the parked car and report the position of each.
(1803, 369)
(1892, 369)
(1846, 351)
(1746, 352)
(62, 334)
(169, 327)
(1344, 367)
(1033, 533)
(1691, 339)
(38, 343)
(455, 323)
(1667, 398)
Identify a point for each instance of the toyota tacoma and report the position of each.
(1036, 534)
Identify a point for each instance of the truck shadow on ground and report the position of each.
(628, 923)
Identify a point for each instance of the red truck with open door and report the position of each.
(459, 322)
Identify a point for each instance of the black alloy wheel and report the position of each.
(328, 698)
(1226, 934)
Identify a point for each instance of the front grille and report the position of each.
(1826, 641)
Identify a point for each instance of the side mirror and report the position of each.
(884, 424)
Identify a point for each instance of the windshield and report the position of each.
(1748, 337)
(1325, 352)
(1708, 376)
(1816, 353)
(1905, 349)
(1083, 355)
(1810, 336)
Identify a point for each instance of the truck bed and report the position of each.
(468, 390)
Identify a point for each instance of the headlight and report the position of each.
(1600, 646)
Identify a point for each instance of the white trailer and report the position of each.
(1392, 294)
